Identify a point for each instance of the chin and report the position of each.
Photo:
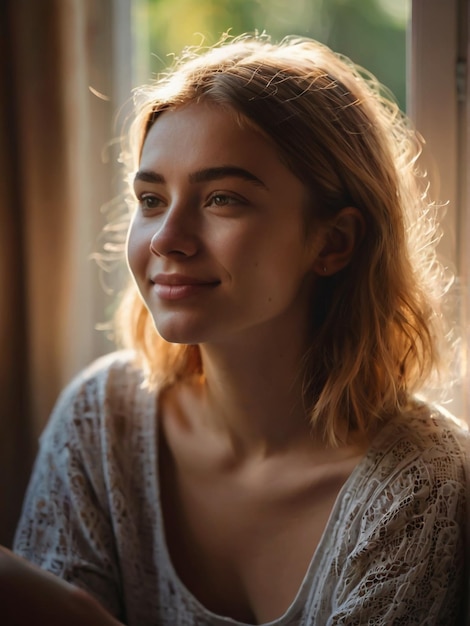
(180, 333)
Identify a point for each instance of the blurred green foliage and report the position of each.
(371, 32)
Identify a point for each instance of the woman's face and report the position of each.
(217, 244)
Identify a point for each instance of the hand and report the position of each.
(29, 595)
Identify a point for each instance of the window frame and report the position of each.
(439, 105)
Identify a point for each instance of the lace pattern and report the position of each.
(392, 552)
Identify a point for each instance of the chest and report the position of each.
(242, 542)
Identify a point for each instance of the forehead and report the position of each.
(206, 130)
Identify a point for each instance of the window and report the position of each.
(439, 106)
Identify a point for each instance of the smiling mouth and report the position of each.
(175, 287)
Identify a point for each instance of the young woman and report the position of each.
(260, 455)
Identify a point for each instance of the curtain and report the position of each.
(60, 87)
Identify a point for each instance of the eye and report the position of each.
(223, 199)
(148, 202)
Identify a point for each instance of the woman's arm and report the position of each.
(29, 595)
(65, 526)
(407, 563)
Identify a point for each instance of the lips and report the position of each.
(180, 286)
(181, 279)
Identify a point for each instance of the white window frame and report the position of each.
(439, 105)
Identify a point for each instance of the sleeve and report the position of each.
(407, 566)
(65, 526)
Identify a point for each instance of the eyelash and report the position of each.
(217, 199)
(228, 199)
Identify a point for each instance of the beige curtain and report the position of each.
(57, 171)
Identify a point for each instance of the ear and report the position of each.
(341, 239)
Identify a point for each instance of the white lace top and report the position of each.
(392, 552)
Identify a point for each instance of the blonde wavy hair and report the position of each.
(376, 324)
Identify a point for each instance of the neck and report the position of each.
(253, 392)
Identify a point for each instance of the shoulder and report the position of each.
(117, 370)
(105, 397)
(403, 529)
(420, 462)
(430, 436)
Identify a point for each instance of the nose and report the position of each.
(175, 235)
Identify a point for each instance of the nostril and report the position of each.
(153, 248)
(182, 246)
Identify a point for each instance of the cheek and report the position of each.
(137, 250)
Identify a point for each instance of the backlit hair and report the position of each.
(375, 324)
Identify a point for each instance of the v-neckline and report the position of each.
(320, 554)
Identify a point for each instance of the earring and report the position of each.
(324, 269)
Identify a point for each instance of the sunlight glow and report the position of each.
(397, 10)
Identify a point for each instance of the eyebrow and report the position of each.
(148, 177)
(206, 175)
